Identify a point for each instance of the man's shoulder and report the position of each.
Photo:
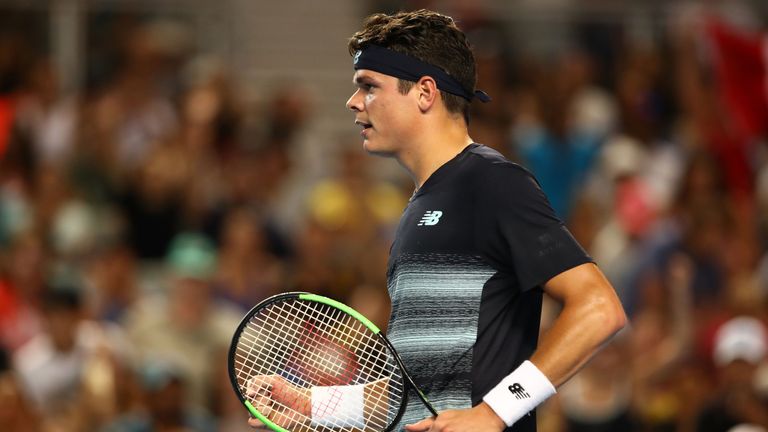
(495, 166)
(488, 153)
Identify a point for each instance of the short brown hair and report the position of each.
(430, 37)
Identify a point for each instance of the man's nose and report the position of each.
(354, 101)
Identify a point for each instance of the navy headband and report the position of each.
(388, 62)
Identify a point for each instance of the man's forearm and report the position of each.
(351, 405)
(576, 336)
(591, 315)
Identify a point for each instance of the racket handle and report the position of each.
(427, 403)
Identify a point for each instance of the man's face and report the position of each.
(62, 324)
(385, 114)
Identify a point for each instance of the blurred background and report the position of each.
(166, 164)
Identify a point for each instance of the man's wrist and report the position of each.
(519, 393)
(338, 406)
(488, 413)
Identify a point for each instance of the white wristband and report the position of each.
(338, 406)
(519, 393)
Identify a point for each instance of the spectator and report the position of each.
(15, 412)
(133, 113)
(113, 281)
(46, 119)
(56, 366)
(741, 345)
(184, 326)
(600, 398)
(552, 139)
(247, 272)
(163, 392)
(21, 285)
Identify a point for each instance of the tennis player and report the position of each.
(477, 245)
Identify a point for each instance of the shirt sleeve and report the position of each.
(520, 232)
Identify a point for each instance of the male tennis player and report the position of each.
(477, 246)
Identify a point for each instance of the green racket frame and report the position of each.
(304, 296)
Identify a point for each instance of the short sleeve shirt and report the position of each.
(472, 249)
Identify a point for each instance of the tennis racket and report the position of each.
(304, 362)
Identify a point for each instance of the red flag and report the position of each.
(6, 122)
(740, 65)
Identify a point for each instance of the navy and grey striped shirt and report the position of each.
(465, 271)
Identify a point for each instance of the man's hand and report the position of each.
(280, 401)
(480, 418)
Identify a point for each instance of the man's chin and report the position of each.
(371, 149)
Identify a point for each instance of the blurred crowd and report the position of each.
(141, 217)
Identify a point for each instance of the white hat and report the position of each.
(741, 338)
(744, 427)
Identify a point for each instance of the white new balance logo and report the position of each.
(431, 218)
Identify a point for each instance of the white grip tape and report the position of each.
(338, 406)
(519, 393)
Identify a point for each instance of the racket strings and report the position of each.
(335, 316)
(310, 344)
(374, 367)
(379, 397)
(312, 354)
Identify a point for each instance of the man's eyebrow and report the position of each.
(360, 79)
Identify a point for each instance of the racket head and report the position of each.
(306, 340)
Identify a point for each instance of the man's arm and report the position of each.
(293, 407)
(590, 316)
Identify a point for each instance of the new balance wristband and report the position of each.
(338, 406)
(519, 393)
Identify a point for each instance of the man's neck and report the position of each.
(433, 149)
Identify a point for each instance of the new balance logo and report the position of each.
(518, 391)
(431, 218)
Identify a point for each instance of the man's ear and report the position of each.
(428, 93)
